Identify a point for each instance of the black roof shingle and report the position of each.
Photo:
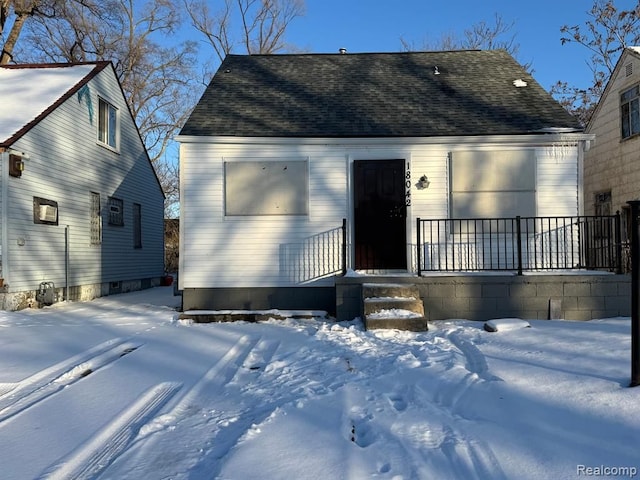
(411, 94)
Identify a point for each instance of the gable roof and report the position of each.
(410, 94)
(28, 93)
(633, 51)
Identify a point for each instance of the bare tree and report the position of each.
(15, 14)
(605, 34)
(481, 35)
(262, 24)
(158, 78)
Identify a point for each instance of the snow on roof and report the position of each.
(27, 92)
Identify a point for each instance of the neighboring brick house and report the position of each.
(612, 164)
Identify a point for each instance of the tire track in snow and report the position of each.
(474, 371)
(469, 457)
(217, 376)
(236, 387)
(154, 448)
(49, 381)
(93, 457)
(475, 359)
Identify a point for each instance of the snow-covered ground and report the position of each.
(118, 388)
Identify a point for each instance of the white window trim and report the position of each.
(629, 102)
(116, 147)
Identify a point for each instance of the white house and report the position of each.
(81, 209)
(281, 148)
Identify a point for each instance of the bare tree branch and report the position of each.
(158, 80)
(482, 35)
(606, 33)
(214, 26)
(263, 24)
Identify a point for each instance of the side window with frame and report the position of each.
(108, 133)
(96, 219)
(602, 204)
(630, 112)
(137, 225)
(116, 212)
(602, 208)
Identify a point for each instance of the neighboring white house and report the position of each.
(81, 208)
(611, 167)
(281, 148)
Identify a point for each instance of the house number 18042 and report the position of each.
(407, 186)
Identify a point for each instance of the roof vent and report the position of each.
(343, 50)
(519, 83)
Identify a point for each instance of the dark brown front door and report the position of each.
(380, 215)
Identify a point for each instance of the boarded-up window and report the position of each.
(493, 184)
(268, 187)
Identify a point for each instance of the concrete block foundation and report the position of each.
(571, 296)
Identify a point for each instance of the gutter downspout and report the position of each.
(583, 146)
(4, 226)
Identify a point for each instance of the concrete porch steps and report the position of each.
(393, 306)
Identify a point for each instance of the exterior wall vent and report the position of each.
(628, 69)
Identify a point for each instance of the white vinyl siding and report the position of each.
(66, 171)
(240, 250)
(558, 187)
(219, 251)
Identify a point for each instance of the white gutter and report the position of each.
(542, 138)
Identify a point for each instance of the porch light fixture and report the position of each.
(423, 182)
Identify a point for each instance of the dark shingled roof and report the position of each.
(374, 95)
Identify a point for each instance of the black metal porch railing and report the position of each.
(519, 244)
